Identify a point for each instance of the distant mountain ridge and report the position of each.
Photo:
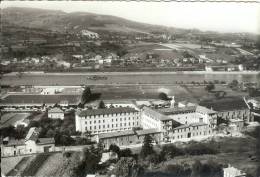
(61, 21)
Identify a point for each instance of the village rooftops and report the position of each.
(55, 110)
(227, 104)
(116, 134)
(190, 125)
(156, 114)
(107, 111)
(147, 131)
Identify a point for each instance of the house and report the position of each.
(12, 147)
(56, 113)
(108, 156)
(233, 172)
(31, 144)
(34, 144)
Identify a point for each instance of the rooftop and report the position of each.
(147, 131)
(156, 114)
(41, 141)
(204, 110)
(116, 134)
(225, 104)
(15, 142)
(190, 125)
(36, 99)
(32, 134)
(55, 110)
(93, 112)
(169, 111)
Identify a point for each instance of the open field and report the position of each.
(190, 93)
(10, 118)
(7, 164)
(37, 99)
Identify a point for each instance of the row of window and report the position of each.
(112, 120)
(107, 131)
(109, 115)
(112, 126)
(189, 135)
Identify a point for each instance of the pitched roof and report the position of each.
(116, 134)
(15, 142)
(155, 114)
(93, 112)
(41, 141)
(204, 110)
(32, 134)
(55, 110)
(170, 111)
(227, 104)
(190, 125)
(148, 131)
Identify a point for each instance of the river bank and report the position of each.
(136, 73)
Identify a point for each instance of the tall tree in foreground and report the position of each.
(147, 148)
(85, 95)
(101, 105)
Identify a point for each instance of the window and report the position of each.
(98, 121)
(94, 121)
(108, 126)
(103, 121)
(90, 122)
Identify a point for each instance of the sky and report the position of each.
(214, 16)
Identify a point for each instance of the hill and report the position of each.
(60, 21)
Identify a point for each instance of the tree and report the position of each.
(210, 87)
(147, 147)
(196, 169)
(125, 153)
(234, 84)
(114, 148)
(163, 96)
(101, 105)
(85, 95)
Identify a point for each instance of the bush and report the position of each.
(170, 151)
(163, 96)
(199, 149)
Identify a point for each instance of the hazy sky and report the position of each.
(223, 17)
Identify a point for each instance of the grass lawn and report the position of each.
(7, 164)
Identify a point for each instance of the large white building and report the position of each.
(56, 113)
(107, 120)
(233, 172)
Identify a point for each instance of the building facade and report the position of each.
(128, 137)
(56, 113)
(190, 131)
(107, 120)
